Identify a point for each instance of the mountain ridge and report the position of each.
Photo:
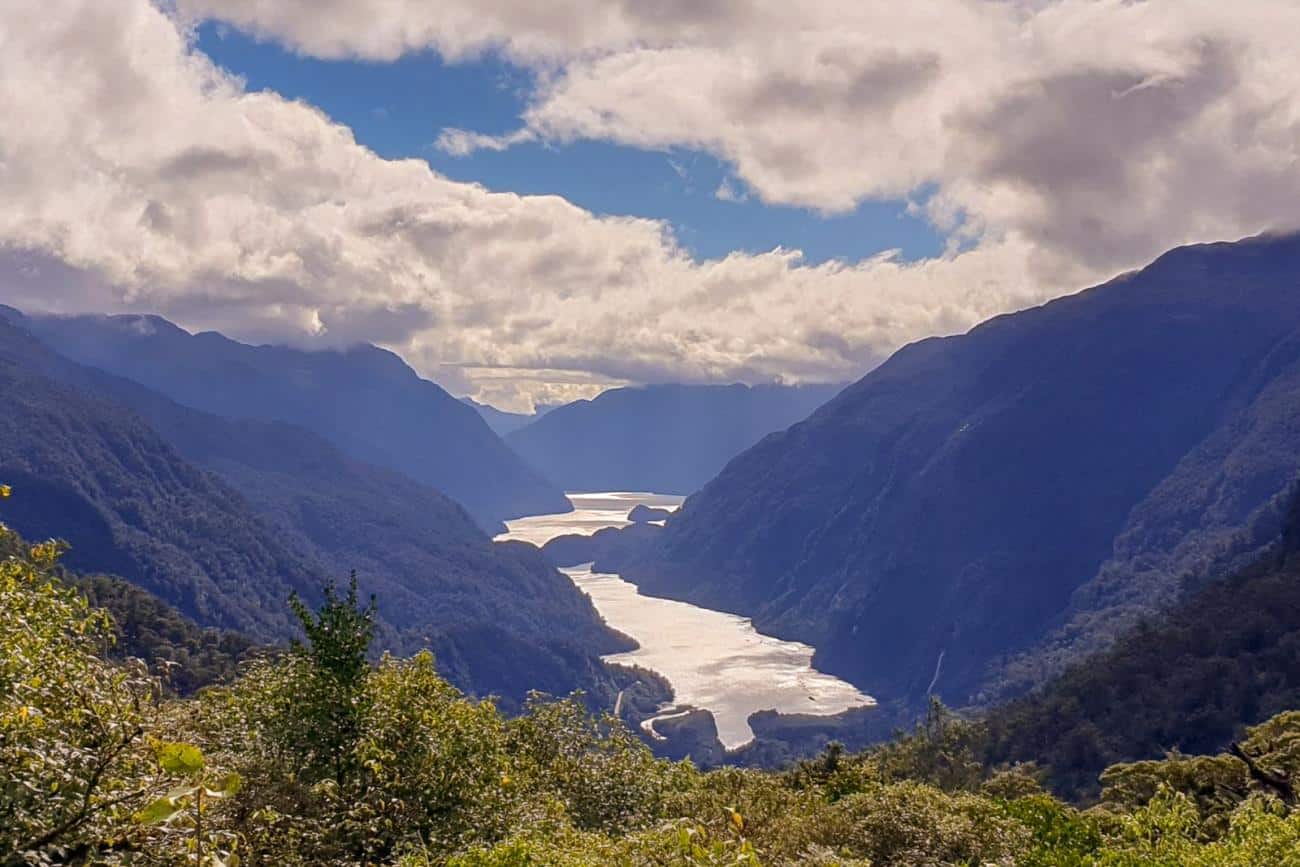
(948, 505)
(363, 399)
(668, 438)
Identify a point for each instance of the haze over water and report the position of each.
(714, 660)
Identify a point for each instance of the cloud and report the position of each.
(729, 191)
(462, 143)
(1058, 142)
(1103, 130)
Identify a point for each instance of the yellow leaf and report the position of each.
(5, 491)
(737, 820)
(180, 758)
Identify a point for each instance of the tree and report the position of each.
(333, 705)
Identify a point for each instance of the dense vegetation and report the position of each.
(317, 756)
(364, 400)
(665, 438)
(185, 655)
(93, 473)
(1228, 655)
(1041, 481)
(118, 471)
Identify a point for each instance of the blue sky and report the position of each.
(398, 108)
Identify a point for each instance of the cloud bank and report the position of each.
(1057, 143)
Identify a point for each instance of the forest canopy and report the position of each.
(318, 756)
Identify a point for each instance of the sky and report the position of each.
(532, 202)
(399, 109)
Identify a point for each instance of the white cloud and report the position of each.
(729, 191)
(1102, 130)
(1062, 141)
(462, 143)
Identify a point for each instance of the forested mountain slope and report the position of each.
(185, 655)
(982, 496)
(364, 400)
(664, 438)
(316, 757)
(1191, 680)
(491, 611)
(96, 474)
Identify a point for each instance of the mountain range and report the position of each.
(364, 400)
(983, 509)
(669, 439)
(224, 518)
(1059, 490)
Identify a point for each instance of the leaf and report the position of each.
(180, 758)
(5, 492)
(224, 787)
(158, 812)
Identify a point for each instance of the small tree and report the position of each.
(338, 634)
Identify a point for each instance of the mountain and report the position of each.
(364, 400)
(145, 627)
(502, 422)
(1191, 680)
(665, 438)
(980, 509)
(94, 473)
(490, 611)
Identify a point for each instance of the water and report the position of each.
(714, 660)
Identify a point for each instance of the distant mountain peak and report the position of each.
(364, 399)
(669, 438)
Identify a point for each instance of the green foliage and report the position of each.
(318, 757)
(1061, 836)
(943, 750)
(601, 774)
(332, 702)
(71, 724)
(1167, 832)
(185, 656)
(182, 812)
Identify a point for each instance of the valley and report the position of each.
(845, 433)
(714, 661)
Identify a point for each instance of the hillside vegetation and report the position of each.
(186, 655)
(1226, 657)
(318, 757)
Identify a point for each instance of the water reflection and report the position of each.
(714, 660)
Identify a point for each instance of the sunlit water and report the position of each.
(714, 660)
